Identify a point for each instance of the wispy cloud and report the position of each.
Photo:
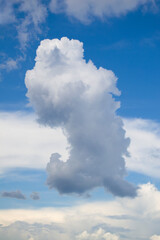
(34, 15)
(151, 41)
(10, 64)
(7, 14)
(85, 11)
(26, 17)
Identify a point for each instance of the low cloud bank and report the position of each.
(119, 219)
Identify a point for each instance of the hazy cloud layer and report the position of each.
(70, 93)
(121, 218)
(87, 9)
(17, 194)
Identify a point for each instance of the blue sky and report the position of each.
(109, 165)
(127, 45)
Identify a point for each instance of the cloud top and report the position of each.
(68, 92)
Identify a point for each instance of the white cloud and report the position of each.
(66, 91)
(122, 218)
(85, 10)
(24, 143)
(144, 147)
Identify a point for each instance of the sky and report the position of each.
(79, 120)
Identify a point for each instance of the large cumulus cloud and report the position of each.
(68, 92)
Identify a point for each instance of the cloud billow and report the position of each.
(68, 92)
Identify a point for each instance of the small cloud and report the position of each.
(10, 64)
(17, 194)
(35, 196)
